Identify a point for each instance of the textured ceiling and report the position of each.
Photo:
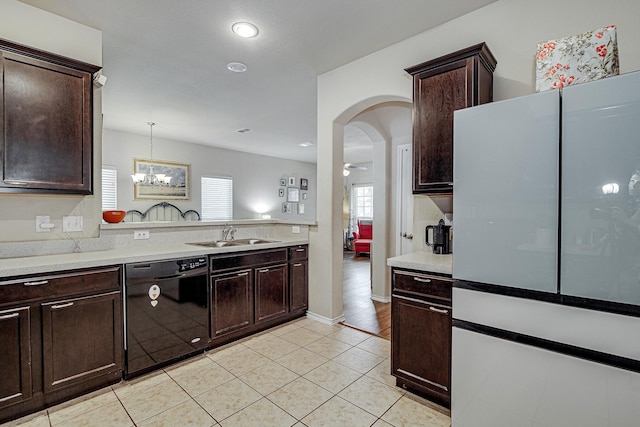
(166, 62)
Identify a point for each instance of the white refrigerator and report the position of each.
(546, 303)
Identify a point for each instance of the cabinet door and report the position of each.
(15, 356)
(437, 94)
(298, 286)
(46, 143)
(231, 302)
(271, 292)
(421, 346)
(81, 339)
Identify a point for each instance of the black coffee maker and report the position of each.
(441, 234)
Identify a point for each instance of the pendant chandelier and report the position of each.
(151, 178)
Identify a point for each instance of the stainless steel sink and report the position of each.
(237, 242)
(253, 241)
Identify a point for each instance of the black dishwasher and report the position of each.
(166, 312)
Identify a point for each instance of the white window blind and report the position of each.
(109, 188)
(362, 200)
(217, 197)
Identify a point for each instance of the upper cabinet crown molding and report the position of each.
(46, 143)
(440, 86)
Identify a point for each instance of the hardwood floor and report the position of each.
(360, 311)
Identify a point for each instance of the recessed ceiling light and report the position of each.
(306, 144)
(243, 130)
(245, 29)
(236, 67)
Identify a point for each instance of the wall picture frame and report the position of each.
(286, 207)
(304, 196)
(283, 182)
(304, 184)
(281, 192)
(177, 189)
(293, 194)
(292, 181)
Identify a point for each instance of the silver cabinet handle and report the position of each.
(55, 307)
(41, 282)
(264, 270)
(9, 316)
(300, 250)
(438, 310)
(243, 274)
(298, 264)
(420, 279)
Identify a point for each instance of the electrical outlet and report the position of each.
(71, 223)
(295, 229)
(140, 234)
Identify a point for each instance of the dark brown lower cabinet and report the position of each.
(298, 278)
(61, 336)
(299, 285)
(231, 302)
(15, 356)
(255, 290)
(271, 284)
(80, 339)
(421, 335)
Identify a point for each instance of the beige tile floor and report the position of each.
(304, 373)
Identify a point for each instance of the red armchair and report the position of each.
(363, 237)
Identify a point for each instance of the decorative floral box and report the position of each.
(577, 59)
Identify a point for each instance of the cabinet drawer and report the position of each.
(422, 284)
(224, 262)
(298, 252)
(59, 284)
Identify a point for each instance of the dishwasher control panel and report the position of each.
(192, 264)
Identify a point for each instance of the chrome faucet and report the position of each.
(228, 231)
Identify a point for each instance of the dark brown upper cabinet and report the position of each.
(458, 80)
(46, 144)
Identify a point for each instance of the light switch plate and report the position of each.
(295, 229)
(43, 224)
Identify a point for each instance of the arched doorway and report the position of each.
(366, 282)
(327, 237)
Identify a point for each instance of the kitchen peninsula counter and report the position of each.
(423, 261)
(166, 241)
(39, 264)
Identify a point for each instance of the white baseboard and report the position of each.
(323, 319)
(380, 299)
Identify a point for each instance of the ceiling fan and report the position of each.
(350, 166)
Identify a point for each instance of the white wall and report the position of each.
(256, 178)
(511, 29)
(33, 27)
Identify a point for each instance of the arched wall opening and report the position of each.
(326, 270)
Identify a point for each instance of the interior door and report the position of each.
(404, 223)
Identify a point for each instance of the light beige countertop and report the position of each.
(41, 264)
(423, 261)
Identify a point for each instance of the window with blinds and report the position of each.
(217, 197)
(109, 188)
